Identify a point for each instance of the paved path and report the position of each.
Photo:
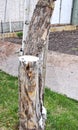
(62, 74)
(61, 70)
(9, 53)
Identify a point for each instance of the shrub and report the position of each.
(19, 34)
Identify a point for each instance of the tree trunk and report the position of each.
(36, 41)
(28, 11)
(29, 93)
(39, 27)
(35, 44)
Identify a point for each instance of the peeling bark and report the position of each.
(39, 24)
(36, 41)
(32, 111)
(29, 105)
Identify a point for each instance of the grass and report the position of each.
(8, 101)
(19, 34)
(62, 112)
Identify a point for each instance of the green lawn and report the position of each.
(62, 112)
(8, 101)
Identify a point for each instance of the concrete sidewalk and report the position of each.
(62, 74)
(9, 53)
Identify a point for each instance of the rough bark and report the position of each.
(36, 41)
(36, 44)
(38, 26)
(29, 93)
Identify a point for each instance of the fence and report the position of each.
(11, 26)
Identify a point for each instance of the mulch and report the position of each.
(13, 40)
(64, 42)
(7, 49)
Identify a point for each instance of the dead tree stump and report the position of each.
(31, 115)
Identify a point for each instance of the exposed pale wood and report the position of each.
(29, 93)
(39, 23)
(36, 41)
(33, 118)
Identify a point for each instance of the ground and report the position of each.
(9, 53)
(62, 61)
(62, 112)
(64, 42)
(14, 40)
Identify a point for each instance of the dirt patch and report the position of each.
(7, 49)
(64, 42)
(14, 40)
(9, 53)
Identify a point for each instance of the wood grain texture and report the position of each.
(31, 80)
(37, 38)
(29, 105)
(39, 24)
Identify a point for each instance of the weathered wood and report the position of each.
(39, 24)
(35, 44)
(36, 41)
(29, 93)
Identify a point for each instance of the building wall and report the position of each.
(13, 10)
(74, 19)
(20, 10)
(11, 15)
(2, 7)
(62, 12)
